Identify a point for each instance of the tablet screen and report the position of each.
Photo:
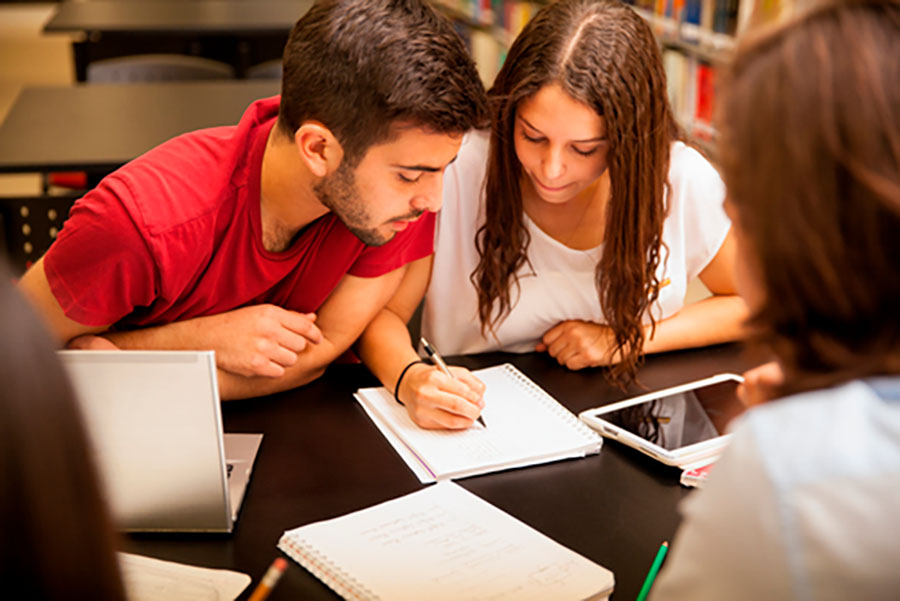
(681, 419)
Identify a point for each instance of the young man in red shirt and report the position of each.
(276, 241)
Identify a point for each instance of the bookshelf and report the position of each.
(489, 27)
(696, 37)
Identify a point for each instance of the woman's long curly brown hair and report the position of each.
(605, 56)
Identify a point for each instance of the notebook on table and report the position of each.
(151, 579)
(155, 422)
(442, 543)
(525, 426)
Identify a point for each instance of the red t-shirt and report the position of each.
(176, 234)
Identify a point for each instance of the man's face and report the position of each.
(394, 183)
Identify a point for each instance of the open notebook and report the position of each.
(525, 426)
(442, 543)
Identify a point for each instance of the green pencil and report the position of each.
(654, 569)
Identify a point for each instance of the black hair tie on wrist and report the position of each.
(403, 373)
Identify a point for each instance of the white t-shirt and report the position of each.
(560, 283)
(804, 504)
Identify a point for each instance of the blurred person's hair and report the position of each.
(810, 151)
(56, 538)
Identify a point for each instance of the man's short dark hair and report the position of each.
(360, 67)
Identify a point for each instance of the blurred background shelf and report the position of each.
(696, 37)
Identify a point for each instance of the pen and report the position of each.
(654, 569)
(436, 357)
(269, 580)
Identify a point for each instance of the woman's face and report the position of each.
(561, 144)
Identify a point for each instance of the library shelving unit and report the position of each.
(489, 27)
(696, 37)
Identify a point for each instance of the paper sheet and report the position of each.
(149, 579)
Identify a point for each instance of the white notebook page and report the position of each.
(442, 543)
(525, 426)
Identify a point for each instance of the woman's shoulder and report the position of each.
(687, 163)
(695, 186)
(473, 153)
(842, 426)
(856, 396)
(464, 178)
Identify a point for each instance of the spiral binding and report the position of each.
(550, 403)
(322, 568)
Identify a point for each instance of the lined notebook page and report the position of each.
(442, 543)
(525, 426)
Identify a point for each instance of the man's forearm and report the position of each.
(310, 365)
(195, 334)
(263, 349)
(180, 335)
(233, 386)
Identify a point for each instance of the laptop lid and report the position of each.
(156, 426)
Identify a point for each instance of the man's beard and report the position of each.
(339, 193)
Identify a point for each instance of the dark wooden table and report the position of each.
(239, 32)
(322, 457)
(100, 128)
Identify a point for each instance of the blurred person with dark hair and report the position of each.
(56, 539)
(274, 242)
(573, 226)
(805, 502)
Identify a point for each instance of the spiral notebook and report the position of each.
(442, 543)
(525, 426)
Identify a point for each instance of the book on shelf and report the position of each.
(692, 18)
(488, 28)
(758, 13)
(705, 98)
(525, 426)
(725, 17)
(442, 543)
(488, 53)
(689, 24)
(691, 84)
(712, 23)
(500, 15)
(707, 14)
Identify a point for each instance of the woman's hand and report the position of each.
(578, 344)
(436, 401)
(761, 384)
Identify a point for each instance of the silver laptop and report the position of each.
(156, 425)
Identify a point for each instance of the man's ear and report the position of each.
(318, 148)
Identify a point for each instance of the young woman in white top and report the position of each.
(572, 228)
(805, 502)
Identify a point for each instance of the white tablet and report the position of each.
(679, 425)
